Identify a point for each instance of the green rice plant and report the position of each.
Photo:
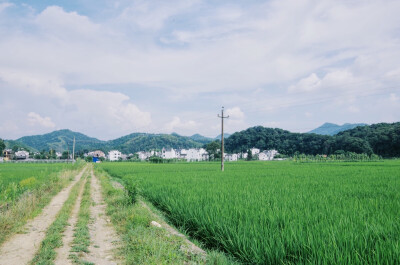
(280, 212)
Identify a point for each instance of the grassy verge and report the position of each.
(31, 204)
(81, 240)
(54, 234)
(142, 243)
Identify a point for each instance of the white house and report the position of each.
(254, 151)
(169, 153)
(143, 155)
(267, 154)
(231, 157)
(193, 155)
(97, 153)
(114, 155)
(182, 153)
(21, 154)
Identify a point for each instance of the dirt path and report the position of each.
(68, 236)
(21, 248)
(102, 234)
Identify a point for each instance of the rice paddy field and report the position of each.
(15, 179)
(280, 212)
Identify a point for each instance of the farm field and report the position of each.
(16, 179)
(280, 212)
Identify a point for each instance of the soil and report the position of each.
(104, 239)
(21, 248)
(68, 236)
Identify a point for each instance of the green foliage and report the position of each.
(249, 155)
(2, 147)
(142, 243)
(281, 212)
(15, 179)
(65, 155)
(89, 159)
(131, 189)
(63, 139)
(213, 150)
(381, 139)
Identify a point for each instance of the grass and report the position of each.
(54, 234)
(17, 179)
(142, 243)
(81, 240)
(280, 212)
(30, 204)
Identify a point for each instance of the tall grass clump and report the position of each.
(281, 212)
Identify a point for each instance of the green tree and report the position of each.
(2, 147)
(213, 150)
(65, 155)
(249, 155)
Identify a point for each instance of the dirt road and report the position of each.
(21, 248)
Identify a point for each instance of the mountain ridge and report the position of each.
(332, 129)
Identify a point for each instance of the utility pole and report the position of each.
(222, 117)
(73, 151)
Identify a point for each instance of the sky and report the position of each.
(109, 68)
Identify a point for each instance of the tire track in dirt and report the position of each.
(21, 248)
(102, 234)
(68, 236)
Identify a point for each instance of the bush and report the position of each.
(131, 189)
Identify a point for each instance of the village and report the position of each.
(97, 156)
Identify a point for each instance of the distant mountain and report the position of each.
(200, 138)
(144, 141)
(60, 140)
(226, 135)
(332, 129)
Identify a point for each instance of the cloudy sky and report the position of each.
(109, 68)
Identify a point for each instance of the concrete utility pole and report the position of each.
(222, 117)
(73, 151)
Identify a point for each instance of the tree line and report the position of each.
(382, 139)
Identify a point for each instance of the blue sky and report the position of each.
(109, 68)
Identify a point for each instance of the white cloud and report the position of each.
(35, 119)
(5, 5)
(393, 97)
(235, 113)
(308, 84)
(151, 15)
(327, 52)
(178, 124)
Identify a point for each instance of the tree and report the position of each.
(213, 149)
(249, 155)
(65, 155)
(2, 146)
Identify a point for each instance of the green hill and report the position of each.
(143, 141)
(382, 139)
(60, 140)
